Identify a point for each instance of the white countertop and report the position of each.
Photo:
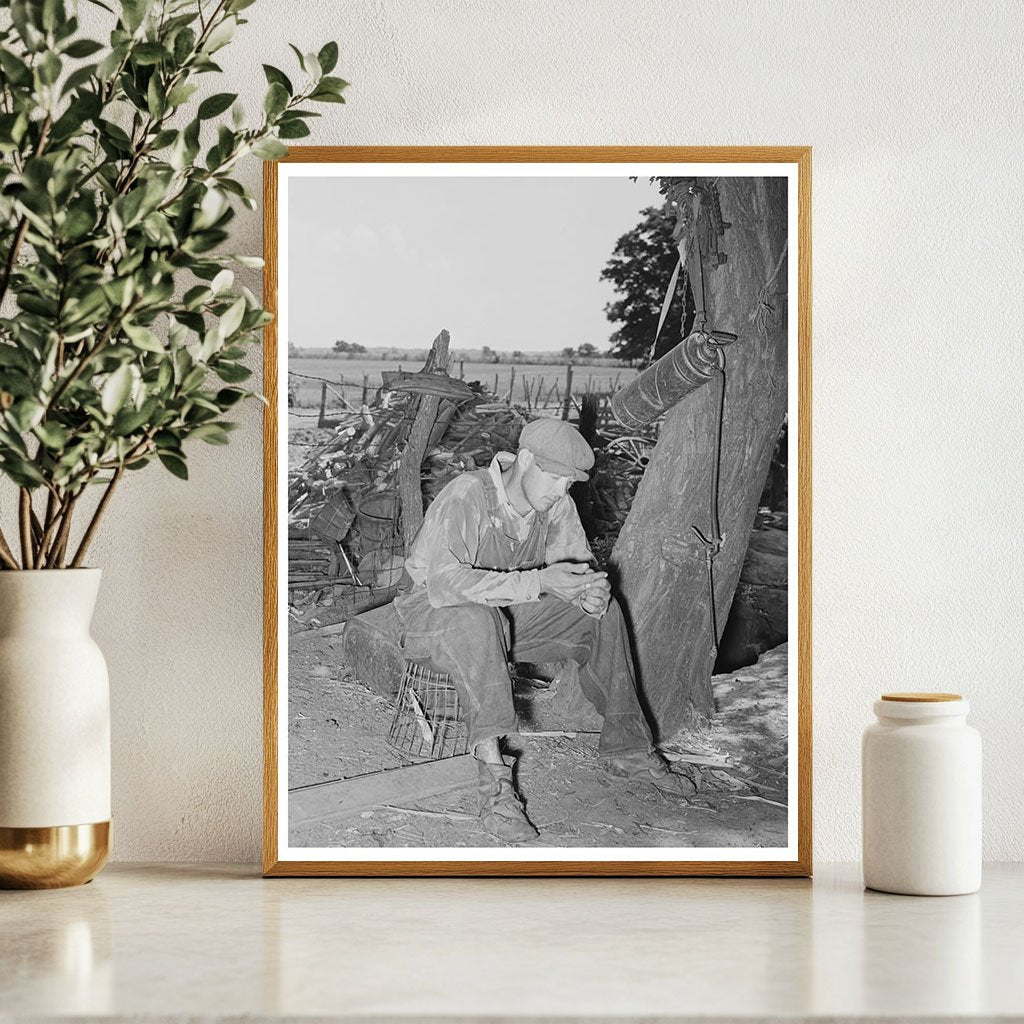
(180, 941)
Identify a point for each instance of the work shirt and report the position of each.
(446, 554)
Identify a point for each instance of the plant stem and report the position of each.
(6, 554)
(25, 523)
(56, 555)
(54, 506)
(90, 531)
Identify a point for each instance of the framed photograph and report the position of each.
(537, 511)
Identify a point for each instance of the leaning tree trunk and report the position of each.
(658, 560)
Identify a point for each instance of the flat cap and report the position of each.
(558, 447)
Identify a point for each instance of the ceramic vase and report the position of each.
(54, 731)
(921, 768)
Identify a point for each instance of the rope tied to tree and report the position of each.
(764, 308)
(712, 542)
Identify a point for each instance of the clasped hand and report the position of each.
(578, 583)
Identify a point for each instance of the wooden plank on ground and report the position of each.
(350, 796)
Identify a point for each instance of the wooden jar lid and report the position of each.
(921, 698)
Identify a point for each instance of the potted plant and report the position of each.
(122, 340)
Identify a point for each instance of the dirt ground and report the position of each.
(338, 729)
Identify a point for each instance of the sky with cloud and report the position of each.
(508, 262)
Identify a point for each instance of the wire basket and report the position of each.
(428, 722)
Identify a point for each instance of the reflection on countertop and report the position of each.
(182, 940)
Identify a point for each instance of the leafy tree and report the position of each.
(586, 350)
(116, 191)
(568, 351)
(640, 269)
(349, 348)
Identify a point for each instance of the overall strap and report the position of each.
(490, 491)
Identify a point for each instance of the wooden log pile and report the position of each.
(345, 544)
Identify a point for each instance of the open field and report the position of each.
(346, 376)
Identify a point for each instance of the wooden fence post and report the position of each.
(366, 388)
(323, 403)
(462, 369)
(568, 391)
(511, 384)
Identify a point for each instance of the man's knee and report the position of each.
(478, 623)
(475, 617)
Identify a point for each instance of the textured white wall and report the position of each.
(914, 113)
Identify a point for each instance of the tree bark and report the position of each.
(409, 484)
(658, 562)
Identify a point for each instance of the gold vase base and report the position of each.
(52, 857)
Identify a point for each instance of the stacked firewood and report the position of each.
(345, 550)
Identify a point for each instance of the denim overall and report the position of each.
(474, 643)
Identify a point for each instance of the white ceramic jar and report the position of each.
(921, 777)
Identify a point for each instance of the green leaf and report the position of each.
(184, 44)
(21, 471)
(149, 53)
(111, 62)
(255, 262)
(276, 99)
(293, 130)
(234, 6)
(276, 76)
(144, 338)
(116, 390)
(232, 319)
(227, 397)
(334, 84)
(133, 12)
(181, 94)
(269, 149)
(53, 435)
(222, 282)
(221, 35)
(328, 57)
(53, 14)
(83, 48)
(232, 373)
(193, 379)
(175, 464)
(324, 96)
(216, 104)
(196, 296)
(26, 414)
(26, 20)
(49, 68)
(16, 70)
(156, 100)
(162, 139)
(128, 421)
(78, 78)
(211, 433)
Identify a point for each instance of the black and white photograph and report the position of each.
(536, 514)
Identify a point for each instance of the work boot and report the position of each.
(501, 810)
(648, 766)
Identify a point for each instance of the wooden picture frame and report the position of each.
(715, 164)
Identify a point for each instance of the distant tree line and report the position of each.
(584, 355)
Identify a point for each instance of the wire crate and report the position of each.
(428, 722)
